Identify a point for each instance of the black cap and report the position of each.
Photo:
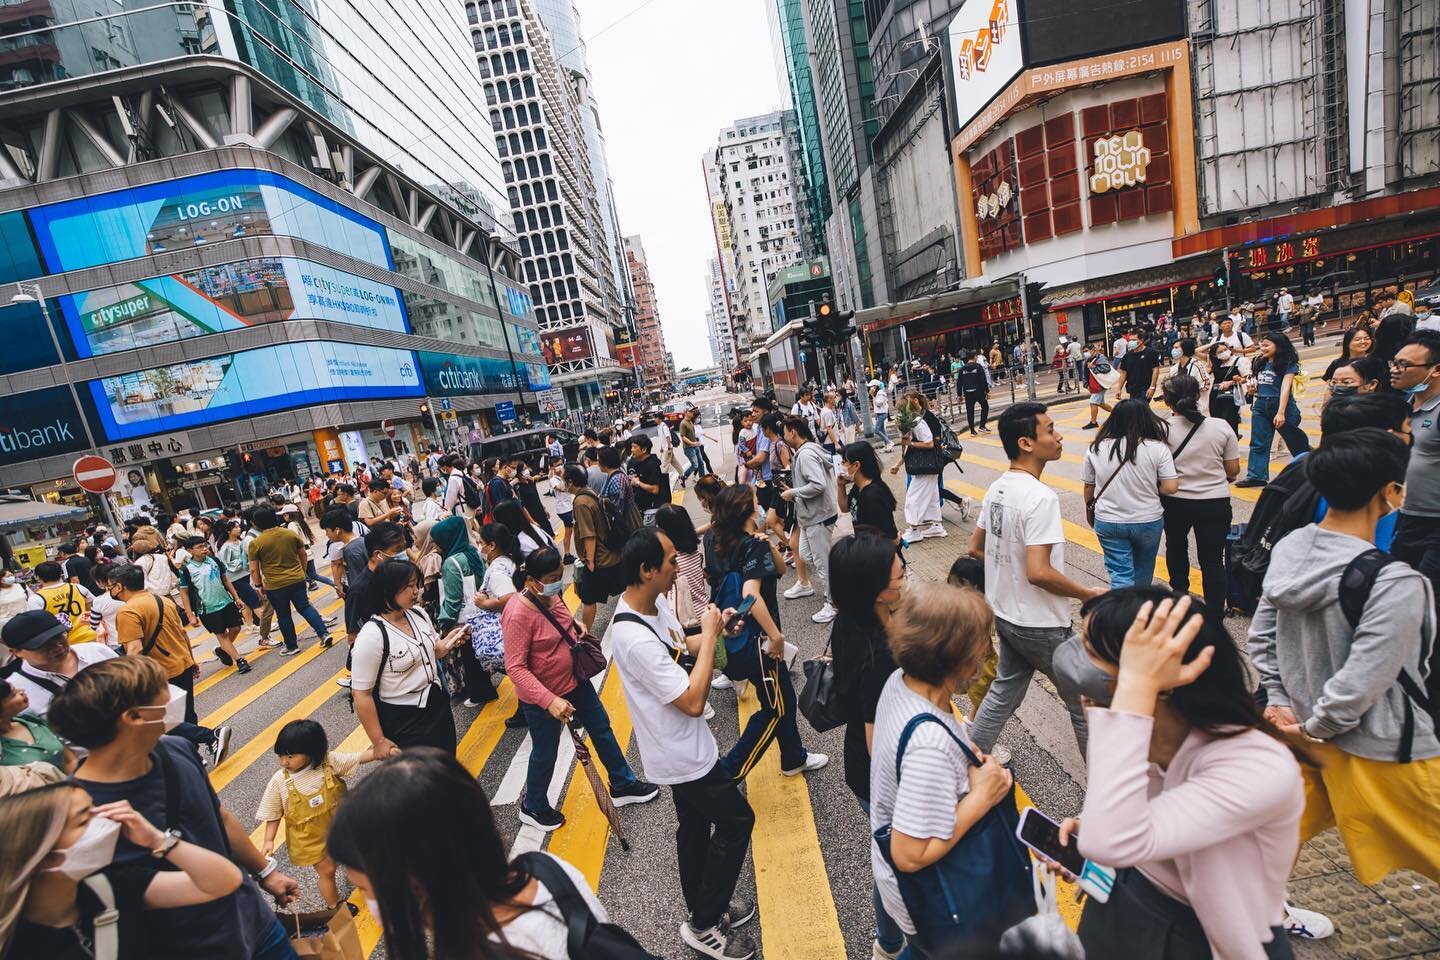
(32, 630)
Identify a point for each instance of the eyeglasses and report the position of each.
(1403, 365)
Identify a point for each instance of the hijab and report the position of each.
(427, 554)
(452, 538)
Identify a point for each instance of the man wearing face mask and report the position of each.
(1425, 318)
(47, 659)
(119, 711)
(1340, 640)
(149, 625)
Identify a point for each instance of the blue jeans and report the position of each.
(1262, 435)
(275, 945)
(697, 465)
(887, 932)
(545, 742)
(1130, 550)
(313, 575)
(281, 599)
(880, 419)
(247, 594)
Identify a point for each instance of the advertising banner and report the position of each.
(563, 346)
(452, 375)
(41, 423)
(248, 384)
(1059, 30)
(985, 53)
(230, 296)
(193, 211)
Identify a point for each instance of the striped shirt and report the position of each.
(935, 777)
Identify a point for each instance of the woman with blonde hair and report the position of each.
(54, 839)
(953, 811)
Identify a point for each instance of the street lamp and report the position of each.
(30, 293)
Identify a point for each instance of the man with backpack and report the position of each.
(598, 575)
(207, 594)
(1342, 640)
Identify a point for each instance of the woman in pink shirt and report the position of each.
(1192, 795)
(538, 631)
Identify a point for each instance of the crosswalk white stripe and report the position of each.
(514, 780)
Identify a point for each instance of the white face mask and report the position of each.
(92, 852)
(174, 709)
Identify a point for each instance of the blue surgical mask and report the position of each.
(1176, 352)
(1416, 390)
(553, 589)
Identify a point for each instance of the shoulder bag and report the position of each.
(819, 700)
(978, 890)
(1090, 503)
(585, 935)
(585, 650)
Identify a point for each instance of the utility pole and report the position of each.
(1226, 254)
(1029, 339)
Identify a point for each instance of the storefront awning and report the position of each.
(791, 329)
(18, 511)
(970, 294)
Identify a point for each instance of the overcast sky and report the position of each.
(668, 77)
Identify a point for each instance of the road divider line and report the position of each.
(227, 672)
(260, 687)
(792, 887)
(240, 760)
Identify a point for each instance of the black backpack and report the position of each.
(587, 937)
(1356, 582)
(1288, 503)
(620, 521)
(470, 493)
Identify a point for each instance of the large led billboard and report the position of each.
(985, 53)
(1060, 30)
(451, 374)
(194, 211)
(230, 296)
(175, 397)
(562, 346)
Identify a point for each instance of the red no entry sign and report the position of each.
(389, 428)
(94, 474)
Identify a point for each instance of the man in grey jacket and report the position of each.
(813, 492)
(1337, 684)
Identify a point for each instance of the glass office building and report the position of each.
(262, 237)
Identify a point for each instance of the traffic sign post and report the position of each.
(388, 427)
(97, 475)
(505, 411)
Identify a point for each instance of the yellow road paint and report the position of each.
(487, 729)
(260, 687)
(226, 672)
(240, 760)
(1081, 536)
(366, 925)
(792, 887)
(356, 742)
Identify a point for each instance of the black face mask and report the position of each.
(1342, 389)
(1077, 676)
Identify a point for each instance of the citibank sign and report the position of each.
(42, 423)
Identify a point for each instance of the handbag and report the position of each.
(978, 890)
(1090, 503)
(585, 650)
(324, 935)
(1044, 934)
(819, 700)
(487, 639)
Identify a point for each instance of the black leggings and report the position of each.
(973, 397)
(1210, 519)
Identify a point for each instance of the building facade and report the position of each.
(654, 367)
(717, 319)
(538, 113)
(795, 44)
(250, 265)
(759, 170)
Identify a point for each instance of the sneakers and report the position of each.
(330, 620)
(984, 429)
(224, 657)
(271, 644)
(911, 535)
(516, 720)
(721, 682)
(569, 559)
(739, 913)
(327, 642)
(242, 665)
(798, 590)
(878, 952)
(717, 942)
(1092, 425)
(824, 615)
(1307, 924)
(1251, 482)
(289, 651)
(343, 682)
(221, 747)
(938, 529)
(544, 820)
(637, 792)
(708, 713)
(813, 761)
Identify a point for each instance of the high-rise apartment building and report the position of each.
(538, 111)
(759, 165)
(245, 240)
(652, 364)
(796, 47)
(717, 319)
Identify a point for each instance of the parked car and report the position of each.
(675, 411)
(529, 444)
(1430, 295)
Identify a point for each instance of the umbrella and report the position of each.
(597, 786)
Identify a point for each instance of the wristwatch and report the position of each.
(162, 850)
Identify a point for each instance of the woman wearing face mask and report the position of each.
(871, 504)
(1126, 471)
(863, 665)
(400, 698)
(1360, 375)
(1188, 364)
(461, 571)
(1193, 796)
(25, 738)
(1274, 408)
(538, 632)
(418, 839)
(55, 838)
(1229, 369)
(1356, 344)
(529, 536)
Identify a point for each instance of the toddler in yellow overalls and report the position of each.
(305, 792)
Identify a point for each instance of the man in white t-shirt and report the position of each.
(1021, 538)
(1284, 306)
(667, 707)
(1239, 341)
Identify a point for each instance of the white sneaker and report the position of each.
(878, 952)
(799, 590)
(708, 713)
(717, 942)
(813, 761)
(741, 687)
(1307, 924)
(721, 682)
(824, 615)
(937, 530)
(911, 535)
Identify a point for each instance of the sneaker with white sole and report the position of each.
(824, 615)
(1307, 924)
(721, 682)
(937, 530)
(740, 912)
(221, 747)
(637, 792)
(878, 952)
(708, 713)
(911, 535)
(544, 820)
(717, 942)
(813, 761)
(798, 590)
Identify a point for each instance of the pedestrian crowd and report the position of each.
(1202, 781)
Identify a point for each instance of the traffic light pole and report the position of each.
(434, 423)
(1226, 254)
(1029, 339)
